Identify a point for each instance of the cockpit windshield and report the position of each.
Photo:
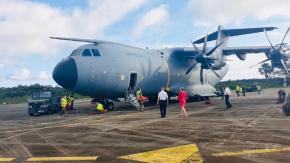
(76, 52)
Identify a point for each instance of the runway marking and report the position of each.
(7, 159)
(88, 158)
(173, 155)
(249, 152)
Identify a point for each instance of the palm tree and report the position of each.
(266, 69)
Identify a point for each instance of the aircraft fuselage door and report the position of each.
(133, 81)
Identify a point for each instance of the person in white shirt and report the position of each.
(162, 101)
(227, 93)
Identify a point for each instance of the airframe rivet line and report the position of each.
(90, 158)
(7, 159)
(248, 152)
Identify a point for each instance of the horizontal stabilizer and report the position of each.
(234, 32)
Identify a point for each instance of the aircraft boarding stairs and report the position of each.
(131, 98)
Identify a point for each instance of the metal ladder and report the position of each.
(131, 98)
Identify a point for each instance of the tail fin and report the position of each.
(223, 34)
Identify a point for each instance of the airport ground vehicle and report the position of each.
(43, 102)
(253, 88)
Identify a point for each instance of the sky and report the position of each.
(28, 56)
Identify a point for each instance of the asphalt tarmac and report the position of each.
(254, 130)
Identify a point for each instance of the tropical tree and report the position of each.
(266, 69)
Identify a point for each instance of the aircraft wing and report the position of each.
(242, 51)
(80, 40)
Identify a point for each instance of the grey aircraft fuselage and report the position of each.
(106, 70)
(108, 73)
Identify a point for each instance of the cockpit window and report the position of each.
(86, 52)
(76, 52)
(96, 52)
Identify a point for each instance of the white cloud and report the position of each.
(25, 25)
(153, 18)
(43, 75)
(212, 12)
(22, 75)
(1, 66)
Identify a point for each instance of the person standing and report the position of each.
(139, 98)
(244, 91)
(227, 94)
(63, 104)
(182, 97)
(259, 89)
(238, 91)
(222, 88)
(162, 100)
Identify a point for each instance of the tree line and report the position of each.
(22, 93)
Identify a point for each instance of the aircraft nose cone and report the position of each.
(65, 73)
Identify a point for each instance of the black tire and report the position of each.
(31, 114)
(110, 106)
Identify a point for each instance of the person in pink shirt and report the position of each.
(182, 97)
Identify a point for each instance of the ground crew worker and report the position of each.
(244, 91)
(100, 108)
(139, 98)
(259, 89)
(241, 91)
(70, 102)
(238, 91)
(63, 104)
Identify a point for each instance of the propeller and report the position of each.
(203, 58)
(276, 53)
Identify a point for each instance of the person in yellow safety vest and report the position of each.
(238, 91)
(139, 98)
(63, 104)
(70, 100)
(241, 91)
(100, 108)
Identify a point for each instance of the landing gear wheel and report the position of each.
(110, 106)
(31, 114)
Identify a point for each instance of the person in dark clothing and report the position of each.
(286, 106)
(222, 92)
(244, 91)
(163, 102)
(281, 96)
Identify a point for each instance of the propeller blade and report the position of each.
(188, 71)
(284, 38)
(260, 62)
(213, 49)
(284, 65)
(213, 70)
(205, 44)
(201, 75)
(196, 48)
(269, 39)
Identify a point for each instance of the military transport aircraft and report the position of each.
(106, 70)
